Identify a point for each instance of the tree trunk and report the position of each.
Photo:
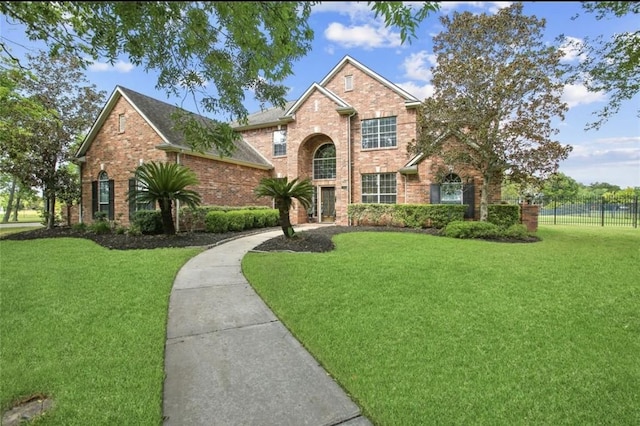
(167, 217)
(484, 198)
(16, 207)
(285, 223)
(51, 212)
(12, 191)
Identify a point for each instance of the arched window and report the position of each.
(324, 162)
(103, 192)
(451, 189)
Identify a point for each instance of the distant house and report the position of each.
(348, 133)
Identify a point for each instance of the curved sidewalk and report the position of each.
(230, 361)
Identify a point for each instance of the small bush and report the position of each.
(259, 218)
(217, 222)
(271, 218)
(100, 227)
(148, 221)
(134, 230)
(504, 215)
(517, 231)
(459, 229)
(121, 230)
(81, 227)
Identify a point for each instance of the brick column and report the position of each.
(529, 216)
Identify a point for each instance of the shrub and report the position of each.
(79, 227)
(271, 218)
(217, 222)
(504, 215)
(259, 218)
(148, 221)
(517, 231)
(100, 227)
(236, 220)
(472, 229)
(134, 230)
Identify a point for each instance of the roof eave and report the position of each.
(280, 121)
(174, 148)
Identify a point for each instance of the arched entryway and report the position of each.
(324, 172)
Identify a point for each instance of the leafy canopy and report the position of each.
(284, 192)
(497, 87)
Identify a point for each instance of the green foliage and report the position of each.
(504, 215)
(411, 215)
(165, 183)
(496, 93)
(211, 50)
(271, 218)
(283, 192)
(237, 221)
(609, 66)
(81, 226)
(516, 231)
(471, 229)
(100, 227)
(217, 222)
(149, 222)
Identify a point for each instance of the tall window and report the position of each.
(122, 121)
(348, 83)
(451, 189)
(379, 133)
(135, 186)
(279, 143)
(324, 162)
(103, 192)
(379, 188)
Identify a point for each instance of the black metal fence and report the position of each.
(596, 211)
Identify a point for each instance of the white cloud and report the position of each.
(357, 11)
(491, 6)
(364, 36)
(417, 66)
(120, 66)
(420, 92)
(572, 48)
(577, 94)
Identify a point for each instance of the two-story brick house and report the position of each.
(348, 133)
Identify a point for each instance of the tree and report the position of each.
(165, 183)
(496, 88)
(67, 106)
(68, 188)
(561, 186)
(198, 48)
(283, 193)
(609, 66)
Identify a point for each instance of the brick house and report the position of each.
(348, 133)
(133, 128)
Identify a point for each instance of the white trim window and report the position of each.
(451, 189)
(122, 122)
(348, 83)
(379, 188)
(279, 143)
(324, 162)
(379, 133)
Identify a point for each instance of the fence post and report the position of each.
(602, 210)
(555, 209)
(635, 211)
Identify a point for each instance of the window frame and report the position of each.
(320, 163)
(372, 191)
(103, 190)
(373, 132)
(280, 145)
(122, 123)
(348, 83)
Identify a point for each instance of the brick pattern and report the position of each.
(529, 216)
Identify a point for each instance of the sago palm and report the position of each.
(283, 193)
(166, 183)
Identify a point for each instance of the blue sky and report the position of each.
(610, 154)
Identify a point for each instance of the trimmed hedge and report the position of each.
(406, 215)
(504, 215)
(196, 219)
(234, 220)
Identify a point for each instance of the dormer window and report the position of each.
(348, 83)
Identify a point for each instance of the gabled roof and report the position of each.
(158, 115)
(266, 118)
(343, 107)
(410, 100)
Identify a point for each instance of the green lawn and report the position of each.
(86, 326)
(426, 330)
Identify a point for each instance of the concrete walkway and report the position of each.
(229, 361)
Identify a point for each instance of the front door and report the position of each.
(327, 204)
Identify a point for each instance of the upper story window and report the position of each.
(122, 121)
(279, 143)
(379, 133)
(324, 162)
(348, 83)
(379, 188)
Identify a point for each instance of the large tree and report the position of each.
(608, 65)
(496, 89)
(58, 86)
(214, 51)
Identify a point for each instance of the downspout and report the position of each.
(80, 219)
(349, 141)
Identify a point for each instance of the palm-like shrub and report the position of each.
(166, 183)
(283, 193)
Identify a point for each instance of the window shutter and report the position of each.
(434, 193)
(132, 198)
(111, 198)
(468, 198)
(94, 198)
